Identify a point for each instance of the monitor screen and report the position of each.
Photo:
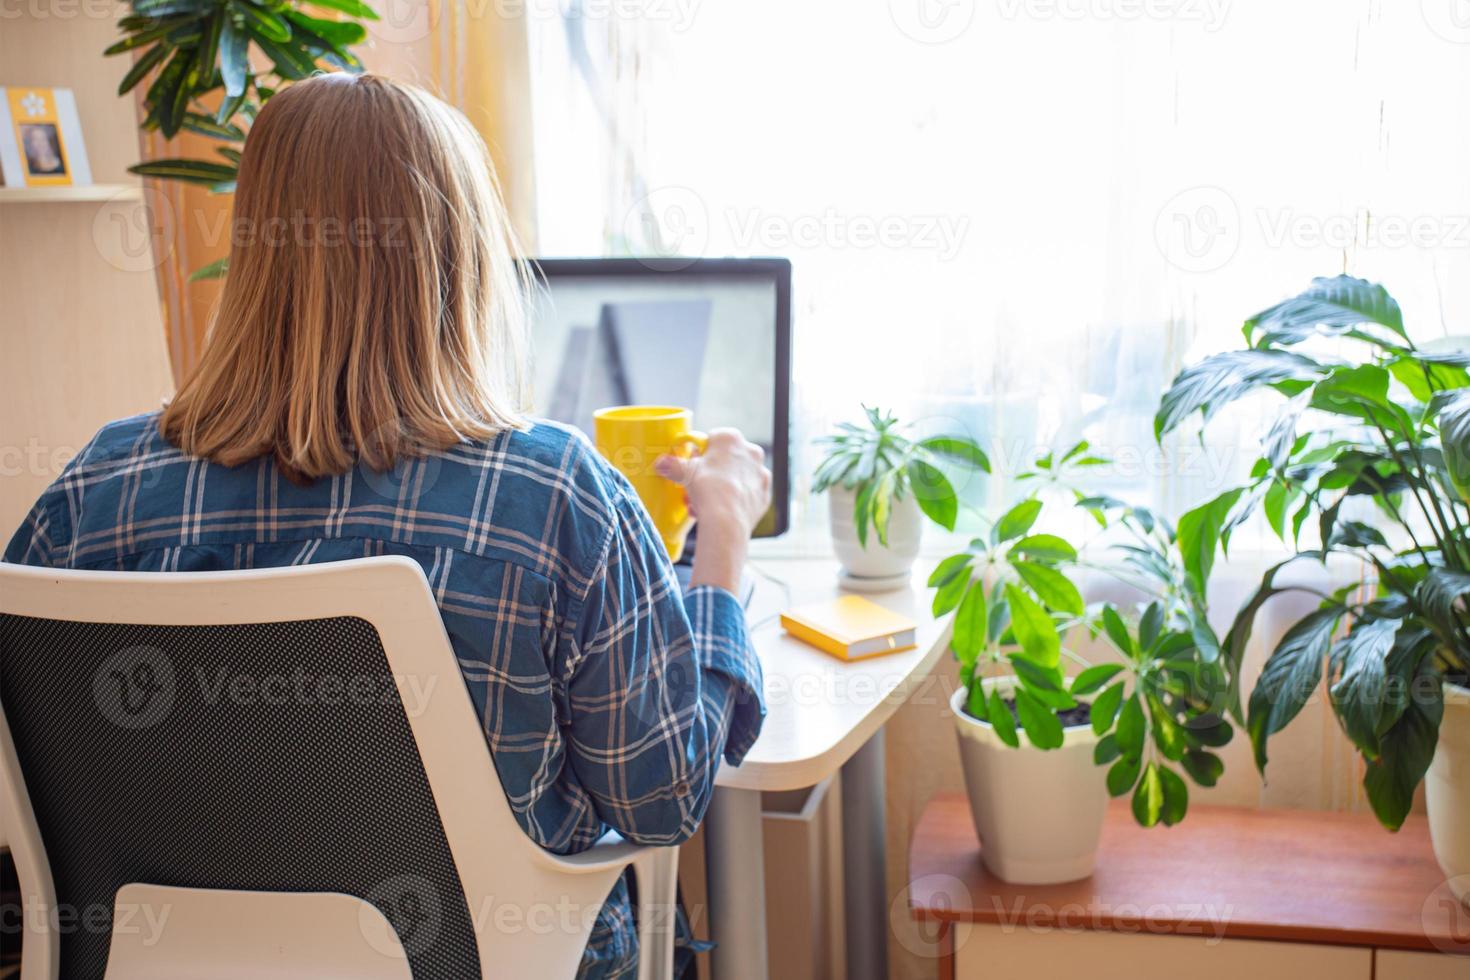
(713, 336)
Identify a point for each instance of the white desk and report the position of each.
(822, 714)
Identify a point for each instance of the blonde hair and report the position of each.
(374, 308)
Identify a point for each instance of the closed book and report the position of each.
(851, 628)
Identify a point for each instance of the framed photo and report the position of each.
(41, 138)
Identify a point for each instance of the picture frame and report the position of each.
(41, 142)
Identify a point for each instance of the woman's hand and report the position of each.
(729, 489)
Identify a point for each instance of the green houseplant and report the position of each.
(881, 478)
(1369, 458)
(195, 56)
(1136, 724)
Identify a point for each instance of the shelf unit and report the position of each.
(80, 329)
(96, 193)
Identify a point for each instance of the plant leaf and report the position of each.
(1176, 796)
(968, 636)
(1327, 307)
(1407, 749)
(1219, 380)
(1289, 677)
(1122, 776)
(1051, 587)
(958, 450)
(1360, 663)
(1041, 724)
(1131, 725)
(1016, 521)
(1043, 547)
(935, 495)
(1203, 767)
(1034, 629)
(193, 171)
(234, 64)
(1199, 536)
(1105, 708)
(1002, 721)
(1093, 678)
(1148, 797)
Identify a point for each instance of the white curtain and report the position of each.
(1020, 217)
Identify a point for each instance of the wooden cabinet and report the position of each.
(1230, 893)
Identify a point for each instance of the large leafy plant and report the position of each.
(196, 56)
(883, 463)
(1156, 705)
(1369, 457)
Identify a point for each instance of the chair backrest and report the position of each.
(300, 730)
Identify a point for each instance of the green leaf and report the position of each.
(1046, 684)
(1117, 630)
(1441, 593)
(1041, 724)
(1150, 624)
(339, 34)
(1122, 775)
(234, 61)
(1093, 678)
(883, 505)
(1360, 661)
(214, 270)
(1199, 536)
(1016, 521)
(1289, 677)
(958, 450)
(1106, 751)
(1168, 736)
(1034, 629)
(1453, 411)
(1105, 708)
(947, 597)
(291, 61)
(193, 171)
(1043, 547)
(1148, 797)
(862, 510)
(141, 68)
(1131, 725)
(1051, 587)
(1203, 767)
(1002, 721)
(975, 700)
(968, 637)
(1219, 380)
(1407, 749)
(205, 126)
(355, 8)
(949, 568)
(264, 24)
(1176, 796)
(935, 495)
(1329, 307)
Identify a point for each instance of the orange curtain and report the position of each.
(470, 54)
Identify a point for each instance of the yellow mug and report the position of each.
(632, 438)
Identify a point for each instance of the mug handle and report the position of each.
(693, 439)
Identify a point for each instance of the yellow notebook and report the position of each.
(851, 628)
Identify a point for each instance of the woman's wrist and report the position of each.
(719, 557)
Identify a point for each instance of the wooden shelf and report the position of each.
(1328, 878)
(88, 192)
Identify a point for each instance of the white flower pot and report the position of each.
(877, 561)
(1038, 813)
(1447, 792)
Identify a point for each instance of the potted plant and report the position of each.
(1369, 458)
(197, 57)
(881, 478)
(1042, 751)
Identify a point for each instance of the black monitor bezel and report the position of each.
(776, 270)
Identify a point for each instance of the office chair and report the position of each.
(274, 773)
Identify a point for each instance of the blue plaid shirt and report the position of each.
(607, 699)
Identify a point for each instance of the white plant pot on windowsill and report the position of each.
(1038, 813)
(1447, 792)
(877, 565)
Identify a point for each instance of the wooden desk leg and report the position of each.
(864, 826)
(737, 884)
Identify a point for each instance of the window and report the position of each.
(1020, 217)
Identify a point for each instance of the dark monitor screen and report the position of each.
(712, 335)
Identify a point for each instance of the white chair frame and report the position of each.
(215, 934)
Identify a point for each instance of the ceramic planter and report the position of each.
(1447, 792)
(1038, 814)
(876, 562)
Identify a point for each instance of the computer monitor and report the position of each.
(713, 335)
